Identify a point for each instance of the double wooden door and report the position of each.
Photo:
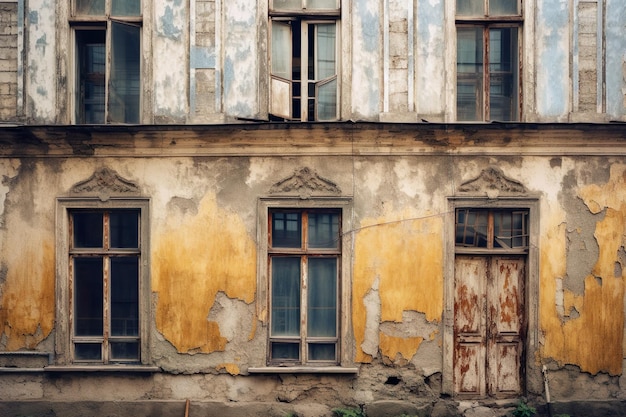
(489, 325)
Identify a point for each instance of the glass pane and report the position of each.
(91, 66)
(471, 228)
(287, 4)
(88, 351)
(126, 7)
(87, 230)
(124, 85)
(323, 230)
(88, 299)
(286, 230)
(125, 296)
(287, 351)
(322, 297)
(470, 8)
(325, 56)
(125, 350)
(503, 78)
(327, 101)
(469, 69)
(124, 226)
(322, 352)
(502, 7)
(285, 296)
(322, 4)
(281, 50)
(90, 7)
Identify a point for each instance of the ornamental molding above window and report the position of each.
(305, 183)
(105, 183)
(492, 182)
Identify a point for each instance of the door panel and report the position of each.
(504, 336)
(469, 326)
(488, 325)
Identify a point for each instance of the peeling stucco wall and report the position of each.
(201, 251)
(171, 38)
(27, 266)
(592, 338)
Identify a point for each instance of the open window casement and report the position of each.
(281, 84)
(304, 70)
(124, 76)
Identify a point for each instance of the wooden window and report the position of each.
(304, 254)
(488, 59)
(104, 269)
(107, 70)
(304, 63)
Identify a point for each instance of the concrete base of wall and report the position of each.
(160, 408)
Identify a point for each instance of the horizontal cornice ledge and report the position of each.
(294, 139)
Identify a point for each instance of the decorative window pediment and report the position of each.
(105, 183)
(492, 182)
(305, 183)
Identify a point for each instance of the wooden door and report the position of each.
(489, 325)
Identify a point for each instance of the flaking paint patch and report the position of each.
(405, 252)
(27, 304)
(231, 368)
(593, 340)
(392, 346)
(193, 261)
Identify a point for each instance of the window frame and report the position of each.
(488, 22)
(104, 23)
(64, 282)
(305, 19)
(531, 205)
(343, 360)
(305, 253)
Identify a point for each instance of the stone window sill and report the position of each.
(303, 370)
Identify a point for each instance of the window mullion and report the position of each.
(107, 311)
(107, 70)
(304, 303)
(304, 70)
(106, 221)
(486, 75)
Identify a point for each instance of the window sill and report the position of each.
(303, 370)
(103, 368)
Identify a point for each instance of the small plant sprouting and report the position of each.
(524, 410)
(348, 412)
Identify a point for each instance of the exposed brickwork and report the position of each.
(8, 61)
(205, 77)
(587, 57)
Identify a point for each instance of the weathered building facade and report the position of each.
(281, 208)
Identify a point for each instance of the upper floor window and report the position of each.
(107, 66)
(304, 63)
(304, 252)
(488, 59)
